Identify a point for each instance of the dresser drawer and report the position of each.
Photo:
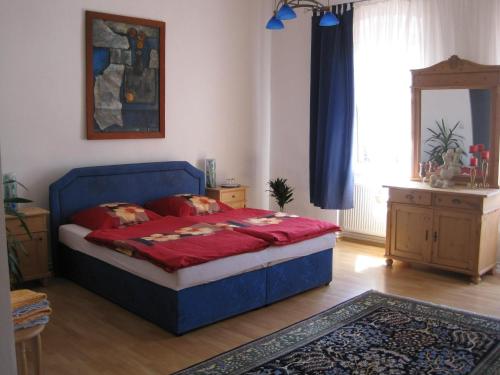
(35, 224)
(232, 196)
(410, 196)
(238, 204)
(458, 201)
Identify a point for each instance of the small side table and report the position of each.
(235, 197)
(22, 337)
(34, 263)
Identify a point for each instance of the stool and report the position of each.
(22, 337)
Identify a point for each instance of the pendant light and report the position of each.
(328, 19)
(274, 23)
(284, 11)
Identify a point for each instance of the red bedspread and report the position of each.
(274, 227)
(174, 243)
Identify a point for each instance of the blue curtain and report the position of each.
(480, 101)
(332, 113)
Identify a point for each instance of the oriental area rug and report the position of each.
(373, 333)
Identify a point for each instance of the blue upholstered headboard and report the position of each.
(81, 188)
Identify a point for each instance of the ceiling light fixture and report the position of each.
(284, 10)
(275, 23)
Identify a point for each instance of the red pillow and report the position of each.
(113, 215)
(186, 205)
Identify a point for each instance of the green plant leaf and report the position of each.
(14, 246)
(14, 267)
(280, 191)
(442, 139)
(16, 200)
(6, 182)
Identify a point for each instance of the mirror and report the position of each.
(460, 95)
(467, 112)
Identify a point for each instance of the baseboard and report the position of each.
(362, 238)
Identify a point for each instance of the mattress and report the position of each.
(73, 236)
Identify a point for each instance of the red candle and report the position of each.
(480, 147)
(473, 161)
(485, 155)
(473, 149)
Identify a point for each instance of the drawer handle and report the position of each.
(410, 197)
(456, 201)
(435, 236)
(233, 196)
(427, 234)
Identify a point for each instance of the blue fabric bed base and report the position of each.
(182, 311)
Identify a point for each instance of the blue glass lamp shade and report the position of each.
(275, 24)
(286, 13)
(328, 19)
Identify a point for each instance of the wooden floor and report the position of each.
(89, 335)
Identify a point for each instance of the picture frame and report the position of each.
(125, 77)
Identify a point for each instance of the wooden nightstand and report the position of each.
(34, 264)
(234, 197)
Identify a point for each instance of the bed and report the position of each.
(189, 298)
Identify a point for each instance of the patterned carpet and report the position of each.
(373, 333)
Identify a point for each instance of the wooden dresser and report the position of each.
(451, 229)
(235, 197)
(34, 263)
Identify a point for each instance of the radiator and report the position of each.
(368, 217)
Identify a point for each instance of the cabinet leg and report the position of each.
(493, 271)
(44, 281)
(388, 262)
(475, 279)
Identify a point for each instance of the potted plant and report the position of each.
(281, 192)
(442, 140)
(14, 246)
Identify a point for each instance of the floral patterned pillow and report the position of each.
(186, 205)
(113, 215)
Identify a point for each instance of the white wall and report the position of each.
(290, 77)
(7, 351)
(217, 53)
(262, 103)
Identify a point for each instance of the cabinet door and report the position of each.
(34, 262)
(455, 238)
(411, 229)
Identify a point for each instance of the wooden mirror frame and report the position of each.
(456, 73)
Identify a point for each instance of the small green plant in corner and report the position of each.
(14, 246)
(443, 139)
(281, 192)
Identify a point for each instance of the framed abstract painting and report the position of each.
(125, 77)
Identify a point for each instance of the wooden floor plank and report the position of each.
(89, 335)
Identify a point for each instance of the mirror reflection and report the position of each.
(464, 112)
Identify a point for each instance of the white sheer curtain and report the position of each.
(390, 38)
